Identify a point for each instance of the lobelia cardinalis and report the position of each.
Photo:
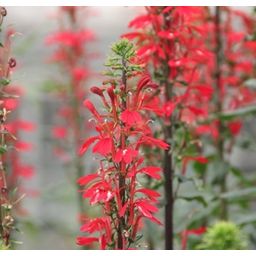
(72, 57)
(233, 100)
(170, 41)
(7, 63)
(122, 129)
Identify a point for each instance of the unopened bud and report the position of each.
(12, 63)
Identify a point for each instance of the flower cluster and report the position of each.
(123, 128)
(72, 56)
(6, 64)
(170, 40)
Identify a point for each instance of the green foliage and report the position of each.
(223, 236)
(3, 247)
(121, 60)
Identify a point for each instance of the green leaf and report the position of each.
(3, 149)
(198, 198)
(239, 193)
(246, 219)
(238, 112)
(4, 81)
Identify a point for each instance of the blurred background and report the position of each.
(51, 221)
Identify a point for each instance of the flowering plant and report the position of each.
(122, 129)
(72, 56)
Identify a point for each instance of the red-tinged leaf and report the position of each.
(148, 192)
(87, 103)
(86, 144)
(103, 147)
(130, 117)
(151, 171)
(123, 209)
(86, 179)
(86, 240)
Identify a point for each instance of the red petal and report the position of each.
(103, 147)
(155, 142)
(86, 179)
(86, 240)
(130, 117)
(149, 192)
(86, 144)
(151, 171)
(123, 209)
(87, 103)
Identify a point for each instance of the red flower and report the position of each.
(86, 240)
(59, 132)
(130, 117)
(127, 155)
(87, 103)
(235, 127)
(86, 144)
(154, 142)
(103, 147)
(184, 235)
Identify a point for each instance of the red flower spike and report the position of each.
(118, 143)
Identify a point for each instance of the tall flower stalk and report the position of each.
(234, 99)
(170, 40)
(123, 128)
(6, 204)
(72, 56)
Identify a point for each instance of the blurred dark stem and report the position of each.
(168, 157)
(218, 100)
